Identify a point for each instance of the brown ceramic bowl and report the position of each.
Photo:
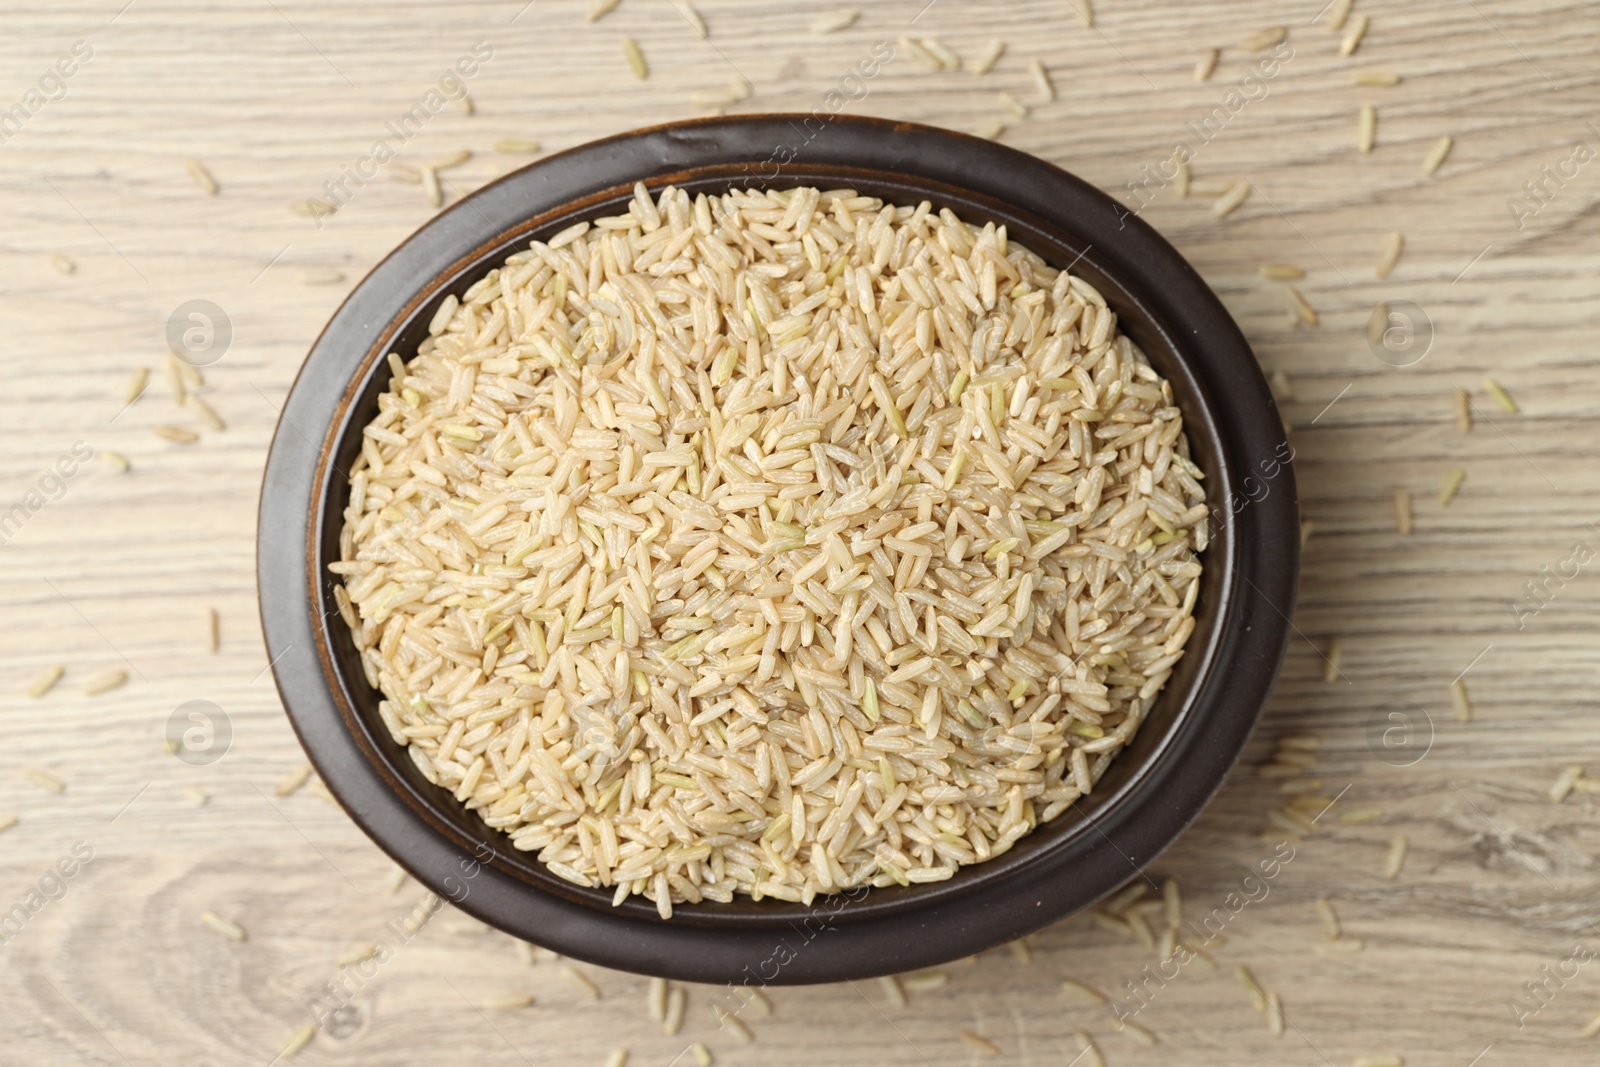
(1195, 730)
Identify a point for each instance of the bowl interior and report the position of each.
(1145, 322)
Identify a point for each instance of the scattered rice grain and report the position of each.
(1133, 1032)
(1367, 128)
(630, 50)
(294, 780)
(297, 1041)
(45, 680)
(1352, 39)
(1563, 785)
(105, 681)
(1402, 511)
(1501, 397)
(1393, 245)
(979, 1044)
(1206, 65)
(1079, 993)
(1041, 80)
(1300, 306)
(580, 981)
(672, 1021)
(687, 11)
(1262, 40)
(176, 434)
(506, 1002)
(1437, 155)
(201, 175)
(517, 146)
(834, 21)
(1228, 201)
(226, 927)
(985, 60)
(1396, 856)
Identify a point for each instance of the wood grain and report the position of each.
(116, 569)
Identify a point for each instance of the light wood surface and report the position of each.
(274, 98)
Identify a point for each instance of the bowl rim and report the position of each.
(1256, 547)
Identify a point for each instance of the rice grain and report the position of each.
(1396, 856)
(1088, 1052)
(1281, 272)
(1228, 201)
(1041, 80)
(1562, 786)
(1501, 397)
(635, 58)
(44, 780)
(1079, 993)
(297, 1041)
(105, 681)
(226, 927)
(1377, 78)
(202, 177)
(1463, 402)
(1437, 155)
(688, 13)
(1262, 40)
(1393, 245)
(979, 1044)
(1352, 39)
(600, 9)
(1460, 701)
(506, 1002)
(834, 21)
(580, 981)
(985, 60)
(292, 781)
(1367, 128)
(45, 680)
(1134, 1032)
(64, 264)
(1206, 64)
(1402, 511)
(1329, 919)
(672, 1020)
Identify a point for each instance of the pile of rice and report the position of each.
(771, 543)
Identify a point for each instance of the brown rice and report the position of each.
(772, 543)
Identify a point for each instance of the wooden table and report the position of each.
(115, 570)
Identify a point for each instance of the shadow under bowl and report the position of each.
(1151, 791)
